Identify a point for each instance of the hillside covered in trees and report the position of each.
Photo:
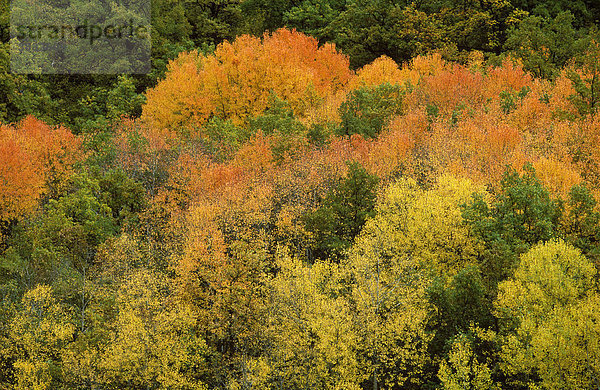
(310, 194)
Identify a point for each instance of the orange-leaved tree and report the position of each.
(35, 160)
(20, 184)
(54, 149)
(235, 82)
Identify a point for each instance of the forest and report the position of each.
(310, 194)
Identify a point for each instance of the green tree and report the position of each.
(460, 305)
(521, 215)
(171, 34)
(366, 30)
(63, 238)
(544, 45)
(580, 225)
(585, 77)
(279, 121)
(266, 15)
(367, 110)
(21, 95)
(343, 213)
(124, 196)
(314, 17)
(213, 21)
(584, 11)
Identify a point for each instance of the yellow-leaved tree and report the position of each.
(462, 370)
(551, 338)
(416, 234)
(427, 224)
(40, 331)
(314, 343)
(152, 341)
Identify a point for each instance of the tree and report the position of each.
(550, 274)
(367, 110)
(344, 211)
(475, 25)
(383, 70)
(286, 132)
(224, 285)
(522, 215)
(58, 247)
(314, 17)
(550, 283)
(20, 184)
(214, 21)
(314, 341)
(170, 35)
(415, 235)
(460, 304)
(428, 226)
(387, 293)
(583, 10)
(153, 341)
(579, 225)
(536, 42)
(36, 161)
(21, 95)
(124, 196)
(55, 149)
(462, 370)
(585, 77)
(366, 30)
(41, 330)
(236, 81)
(565, 348)
(266, 15)
(61, 54)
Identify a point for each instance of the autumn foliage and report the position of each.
(37, 159)
(235, 82)
(276, 220)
